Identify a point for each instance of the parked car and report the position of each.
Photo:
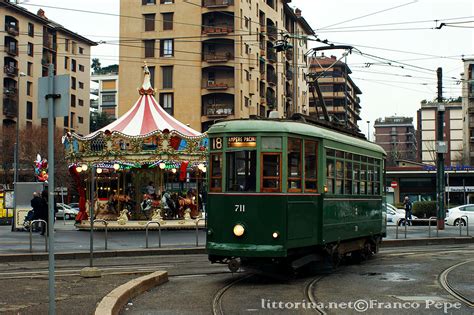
(457, 215)
(395, 216)
(66, 212)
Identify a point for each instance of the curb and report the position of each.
(113, 302)
(102, 254)
(427, 241)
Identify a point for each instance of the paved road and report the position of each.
(396, 281)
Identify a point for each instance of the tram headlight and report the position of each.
(325, 188)
(275, 235)
(239, 230)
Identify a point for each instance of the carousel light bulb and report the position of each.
(162, 165)
(99, 170)
(79, 169)
(116, 166)
(173, 170)
(84, 167)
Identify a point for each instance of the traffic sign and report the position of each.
(394, 184)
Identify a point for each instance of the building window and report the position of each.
(31, 30)
(73, 100)
(66, 121)
(73, 65)
(66, 62)
(29, 110)
(80, 102)
(81, 50)
(73, 47)
(66, 45)
(108, 98)
(167, 21)
(167, 75)
(166, 1)
(152, 75)
(149, 22)
(29, 88)
(148, 2)
(149, 48)
(81, 85)
(72, 120)
(73, 83)
(81, 68)
(166, 47)
(29, 69)
(166, 101)
(30, 49)
(80, 119)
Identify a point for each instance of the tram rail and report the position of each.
(444, 282)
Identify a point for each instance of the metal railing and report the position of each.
(105, 224)
(406, 223)
(197, 230)
(467, 225)
(45, 235)
(146, 233)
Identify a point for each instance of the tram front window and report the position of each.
(241, 170)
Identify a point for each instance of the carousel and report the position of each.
(145, 166)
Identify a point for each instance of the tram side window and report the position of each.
(330, 175)
(294, 165)
(356, 178)
(348, 178)
(363, 178)
(310, 166)
(271, 172)
(241, 170)
(377, 178)
(339, 176)
(216, 172)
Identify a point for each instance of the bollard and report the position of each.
(146, 233)
(429, 226)
(197, 231)
(467, 225)
(105, 224)
(45, 237)
(406, 223)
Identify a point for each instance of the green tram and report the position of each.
(291, 192)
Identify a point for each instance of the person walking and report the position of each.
(43, 211)
(408, 209)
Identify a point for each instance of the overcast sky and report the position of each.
(387, 89)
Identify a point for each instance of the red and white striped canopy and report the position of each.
(147, 116)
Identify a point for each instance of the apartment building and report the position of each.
(468, 111)
(31, 43)
(427, 131)
(107, 93)
(396, 135)
(215, 59)
(340, 93)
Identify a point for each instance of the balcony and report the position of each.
(217, 57)
(11, 92)
(12, 29)
(217, 30)
(289, 54)
(289, 74)
(272, 32)
(271, 54)
(11, 50)
(219, 110)
(213, 4)
(10, 70)
(272, 77)
(10, 107)
(49, 44)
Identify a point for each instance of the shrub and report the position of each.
(424, 209)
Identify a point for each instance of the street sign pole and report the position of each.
(50, 101)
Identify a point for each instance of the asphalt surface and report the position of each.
(395, 281)
(68, 239)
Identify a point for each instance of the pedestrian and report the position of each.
(408, 209)
(150, 189)
(43, 210)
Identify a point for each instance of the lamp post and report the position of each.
(17, 144)
(368, 130)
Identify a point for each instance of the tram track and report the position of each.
(217, 300)
(309, 293)
(444, 282)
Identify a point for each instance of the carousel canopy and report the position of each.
(146, 117)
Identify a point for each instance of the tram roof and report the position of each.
(294, 127)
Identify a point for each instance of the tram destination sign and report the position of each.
(242, 142)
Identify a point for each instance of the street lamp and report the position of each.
(17, 141)
(368, 130)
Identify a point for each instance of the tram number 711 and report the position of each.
(239, 208)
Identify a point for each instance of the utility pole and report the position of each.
(441, 149)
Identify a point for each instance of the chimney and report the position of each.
(298, 12)
(40, 13)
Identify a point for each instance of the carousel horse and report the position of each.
(188, 202)
(123, 218)
(168, 204)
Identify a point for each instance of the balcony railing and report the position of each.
(271, 54)
(12, 30)
(217, 30)
(11, 50)
(272, 32)
(10, 107)
(217, 85)
(218, 57)
(10, 91)
(49, 44)
(272, 78)
(210, 4)
(289, 54)
(289, 74)
(10, 70)
(219, 110)
(271, 100)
